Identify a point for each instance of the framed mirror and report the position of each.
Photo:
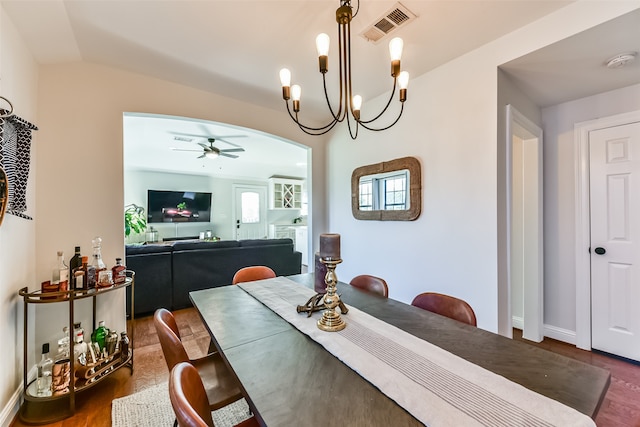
(387, 191)
(4, 194)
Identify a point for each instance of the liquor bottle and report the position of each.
(99, 265)
(124, 346)
(80, 347)
(79, 274)
(43, 385)
(89, 280)
(119, 272)
(63, 344)
(61, 273)
(75, 262)
(100, 334)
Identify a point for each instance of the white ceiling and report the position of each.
(237, 47)
(150, 144)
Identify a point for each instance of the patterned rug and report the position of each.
(151, 408)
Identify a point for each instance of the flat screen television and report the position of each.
(178, 206)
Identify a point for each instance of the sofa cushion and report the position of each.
(147, 249)
(265, 242)
(186, 246)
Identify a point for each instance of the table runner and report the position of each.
(437, 387)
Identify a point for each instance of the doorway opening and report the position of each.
(525, 271)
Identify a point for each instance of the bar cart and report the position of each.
(51, 408)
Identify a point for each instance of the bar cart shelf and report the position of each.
(51, 408)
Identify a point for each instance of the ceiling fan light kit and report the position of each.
(349, 104)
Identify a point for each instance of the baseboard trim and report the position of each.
(11, 408)
(560, 334)
(517, 322)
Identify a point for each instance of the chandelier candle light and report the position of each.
(330, 256)
(349, 107)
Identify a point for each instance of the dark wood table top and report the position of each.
(291, 380)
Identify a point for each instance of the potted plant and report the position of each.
(134, 220)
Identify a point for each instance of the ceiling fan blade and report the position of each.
(181, 149)
(233, 156)
(193, 135)
(229, 142)
(232, 150)
(205, 146)
(202, 157)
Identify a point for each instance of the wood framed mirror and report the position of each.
(387, 191)
(4, 194)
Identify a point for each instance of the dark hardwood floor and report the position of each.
(621, 406)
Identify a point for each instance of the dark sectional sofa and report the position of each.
(167, 272)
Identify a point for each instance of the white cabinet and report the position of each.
(285, 193)
(279, 231)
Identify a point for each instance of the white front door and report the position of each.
(250, 213)
(615, 239)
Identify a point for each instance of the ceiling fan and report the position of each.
(211, 152)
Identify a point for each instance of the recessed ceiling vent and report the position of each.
(397, 17)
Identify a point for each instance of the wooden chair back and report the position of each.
(188, 397)
(255, 272)
(445, 305)
(169, 336)
(372, 284)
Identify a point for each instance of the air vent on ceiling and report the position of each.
(395, 18)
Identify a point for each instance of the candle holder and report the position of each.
(331, 320)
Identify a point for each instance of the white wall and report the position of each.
(18, 83)
(450, 125)
(559, 190)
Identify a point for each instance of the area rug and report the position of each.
(151, 408)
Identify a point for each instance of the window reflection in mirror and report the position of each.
(384, 191)
(387, 191)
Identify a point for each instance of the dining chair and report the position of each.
(221, 386)
(255, 272)
(446, 305)
(189, 399)
(372, 284)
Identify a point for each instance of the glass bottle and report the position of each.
(60, 274)
(79, 274)
(80, 347)
(44, 372)
(63, 344)
(74, 262)
(89, 280)
(100, 334)
(119, 272)
(98, 264)
(124, 346)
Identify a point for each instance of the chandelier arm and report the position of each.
(393, 92)
(357, 9)
(326, 96)
(348, 99)
(315, 132)
(328, 126)
(351, 134)
(387, 127)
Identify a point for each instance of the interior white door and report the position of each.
(615, 239)
(250, 212)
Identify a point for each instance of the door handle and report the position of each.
(600, 251)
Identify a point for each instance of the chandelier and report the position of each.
(349, 106)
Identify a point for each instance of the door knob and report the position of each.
(600, 251)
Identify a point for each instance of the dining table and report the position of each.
(290, 379)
